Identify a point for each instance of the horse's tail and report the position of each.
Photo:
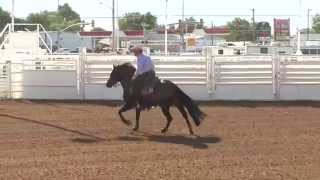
(193, 109)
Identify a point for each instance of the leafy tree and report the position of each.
(150, 21)
(188, 25)
(40, 18)
(5, 18)
(200, 25)
(138, 21)
(263, 29)
(240, 30)
(316, 23)
(67, 13)
(56, 20)
(131, 21)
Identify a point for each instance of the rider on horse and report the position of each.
(144, 78)
(165, 93)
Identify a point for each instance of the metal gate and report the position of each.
(5, 79)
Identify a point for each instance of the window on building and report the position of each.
(304, 51)
(313, 51)
(237, 52)
(264, 50)
(220, 51)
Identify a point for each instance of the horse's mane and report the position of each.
(127, 65)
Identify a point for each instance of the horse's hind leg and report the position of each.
(125, 108)
(136, 128)
(166, 112)
(185, 115)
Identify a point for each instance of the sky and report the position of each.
(212, 11)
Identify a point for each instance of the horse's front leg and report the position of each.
(125, 108)
(138, 111)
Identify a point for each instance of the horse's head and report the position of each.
(120, 73)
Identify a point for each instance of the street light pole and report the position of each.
(254, 36)
(166, 31)
(183, 27)
(118, 38)
(113, 27)
(298, 31)
(113, 23)
(308, 28)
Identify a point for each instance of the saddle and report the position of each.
(144, 87)
(149, 89)
(148, 100)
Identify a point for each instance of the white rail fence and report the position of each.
(5, 87)
(204, 78)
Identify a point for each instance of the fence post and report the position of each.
(275, 76)
(210, 70)
(9, 75)
(207, 65)
(213, 74)
(81, 72)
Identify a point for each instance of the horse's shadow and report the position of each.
(196, 142)
(87, 138)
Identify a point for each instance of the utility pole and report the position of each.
(118, 29)
(166, 31)
(308, 29)
(212, 42)
(182, 27)
(113, 26)
(298, 30)
(58, 4)
(253, 25)
(12, 15)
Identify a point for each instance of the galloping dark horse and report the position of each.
(165, 95)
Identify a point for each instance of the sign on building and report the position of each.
(191, 42)
(281, 29)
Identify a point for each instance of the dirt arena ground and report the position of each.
(55, 140)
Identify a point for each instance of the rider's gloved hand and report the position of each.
(134, 77)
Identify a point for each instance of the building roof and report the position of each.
(96, 34)
(217, 30)
(134, 33)
(222, 30)
(109, 34)
(169, 31)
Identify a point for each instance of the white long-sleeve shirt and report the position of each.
(144, 64)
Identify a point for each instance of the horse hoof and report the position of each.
(135, 129)
(164, 131)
